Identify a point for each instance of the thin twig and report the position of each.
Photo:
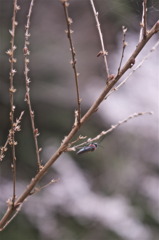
(78, 139)
(143, 24)
(16, 128)
(69, 32)
(113, 127)
(134, 70)
(27, 84)
(145, 18)
(38, 189)
(104, 52)
(3, 149)
(12, 90)
(124, 29)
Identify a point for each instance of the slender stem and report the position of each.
(124, 29)
(27, 83)
(73, 61)
(145, 18)
(3, 149)
(9, 138)
(143, 30)
(104, 53)
(12, 90)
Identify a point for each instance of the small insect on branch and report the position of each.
(69, 32)
(90, 148)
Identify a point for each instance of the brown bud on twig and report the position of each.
(12, 90)
(36, 132)
(17, 7)
(70, 21)
(11, 33)
(102, 53)
(26, 51)
(9, 52)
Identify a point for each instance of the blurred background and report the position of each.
(112, 193)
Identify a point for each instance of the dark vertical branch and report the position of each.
(73, 53)
(12, 90)
(27, 83)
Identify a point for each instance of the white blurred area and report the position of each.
(140, 93)
(72, 195)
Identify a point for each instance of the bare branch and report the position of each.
(113, 127)
(3, 149)
(79, 138)
(69, 32)
(38, 189)
(27, 85)
(103, 52)
(143, 24)
(124, 29)
(12, 90)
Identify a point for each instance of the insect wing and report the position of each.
(89, 148)
(83, 150)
